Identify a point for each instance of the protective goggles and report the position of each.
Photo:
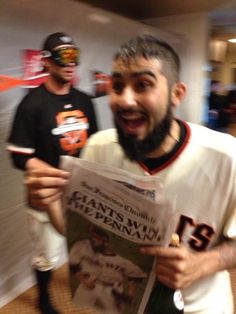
(65, 56)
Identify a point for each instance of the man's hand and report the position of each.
(122, 297)
(44, 183)
(87, 280)
(177, 268)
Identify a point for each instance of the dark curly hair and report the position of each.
(148, 47)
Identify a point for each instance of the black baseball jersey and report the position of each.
(47, 125)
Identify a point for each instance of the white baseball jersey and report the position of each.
(83, 254)
(202, 176)
(108, 272)
(109, 268)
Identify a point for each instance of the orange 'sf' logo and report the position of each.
(72, 128)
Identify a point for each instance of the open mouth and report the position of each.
(70, 72)
(132, 122)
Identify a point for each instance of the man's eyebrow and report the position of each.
(118, 75)
(144, 72)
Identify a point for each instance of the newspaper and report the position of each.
(110, 214)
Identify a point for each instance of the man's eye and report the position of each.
(117, 87)
(142, 85)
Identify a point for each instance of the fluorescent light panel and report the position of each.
(232, 40)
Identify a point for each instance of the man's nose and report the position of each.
(128, 97)
(71, 64)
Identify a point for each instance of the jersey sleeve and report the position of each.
(19, 160)
(229, 230)
(89, 152)
(21, 142)
(101, 145)
(230, 226)
(77, 251)
(132, 271)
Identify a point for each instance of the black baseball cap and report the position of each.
(57, 39)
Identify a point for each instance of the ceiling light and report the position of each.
(100, 18)
(232, 40)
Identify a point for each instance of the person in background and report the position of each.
(231, 105)
(218, 109)
(196, 164)
(52, 120)
(215, 97)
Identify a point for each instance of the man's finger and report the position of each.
(45, 182)
(47, 172)
(160, 251)
(43, 203)
(44, 193)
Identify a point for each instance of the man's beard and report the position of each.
(138, 150)
(98, 248)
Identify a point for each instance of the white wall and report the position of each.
(194, 28)
(24, 24)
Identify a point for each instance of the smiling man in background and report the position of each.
(52, 120)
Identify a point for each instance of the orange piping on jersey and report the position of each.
(172, 159)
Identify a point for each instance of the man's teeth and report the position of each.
(132, 117)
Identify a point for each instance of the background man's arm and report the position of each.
(44, 188)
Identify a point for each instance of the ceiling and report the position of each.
(222, 12)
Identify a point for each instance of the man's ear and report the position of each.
(178, 92)
(45, 62)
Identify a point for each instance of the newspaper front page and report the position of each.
(110, 214)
